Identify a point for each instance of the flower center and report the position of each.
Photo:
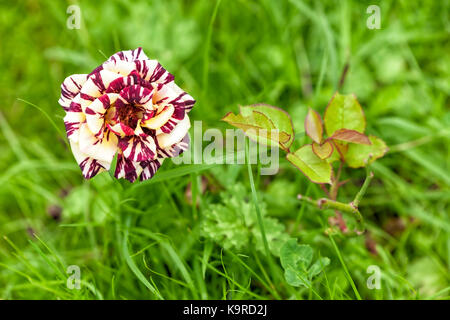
(129, 115)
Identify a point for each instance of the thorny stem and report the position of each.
(324, 189)
(351, 207)
(335, 184)
(362, 191)
(338, 219)
(324, 203)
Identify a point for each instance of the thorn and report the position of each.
(320, 202)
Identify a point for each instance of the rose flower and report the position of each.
(129, 105)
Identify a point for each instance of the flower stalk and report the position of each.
(351, 208)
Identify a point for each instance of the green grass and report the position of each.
(145, 241)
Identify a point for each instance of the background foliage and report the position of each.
(148, 241)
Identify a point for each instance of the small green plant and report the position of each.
(296, 261)
(338, 139)
(232, 223)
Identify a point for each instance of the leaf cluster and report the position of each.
(338, 137)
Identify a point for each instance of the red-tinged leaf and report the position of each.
(324, 150)
(353, 136)
(313, 126)
(265, 124)
(280, 119)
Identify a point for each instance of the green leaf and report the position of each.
(229, 221)
(313, 126)
(280, 118)
(358, 154)
(233, 225)
(316, 169)
(344, 112)
(318, 266)
(324, 150)
(295, 255)
(352, 136)
(254, 118)
(112, 168)
(296, 260)
(335, 155)
(275, 233)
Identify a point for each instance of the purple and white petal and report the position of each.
(130, 105)
(133, 78)
(150, 168)
(88, 165)
(100, 149)
(72, 122)
(127, 169)
(121, 67)
(166, 140)
(153, 72)
(178, 115)
(95, 86)
(174, 95)
(96, 111)
(70, 87)
(162, 116)
(120, 129)
(138, 148)
(175, 149)
(137, 95)
(129, 55)
(171, 94)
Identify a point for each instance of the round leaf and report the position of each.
(344, 112)
(358, 154)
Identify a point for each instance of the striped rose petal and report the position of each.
(70, 87)
(166, 140)
(73, 119)
(174, 150)
(120, 129)
(150, 168)
(72, 122)
(137, 95)
(95, 86)
(123, 68)
(127, 169)
(158, 119)
(102, 150)
(128, 105)
(129, 55)
(137, 148)
(96, 111)
(182, 103)
(152, 71)
(88, 165)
